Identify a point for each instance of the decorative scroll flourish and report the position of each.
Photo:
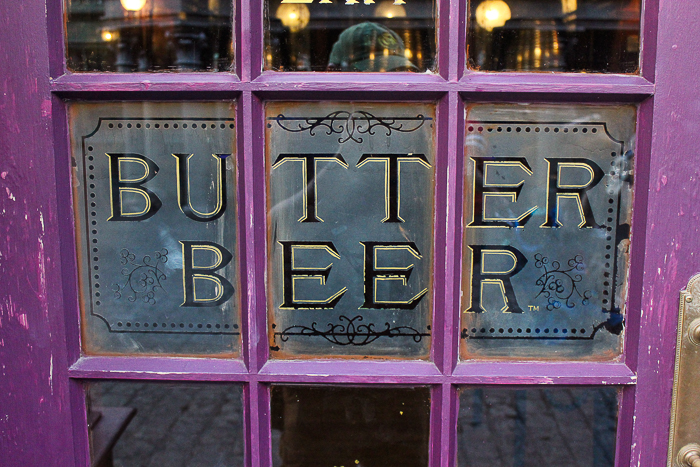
(560, 285)
(348, 332)
(142, 279)
(350, 124)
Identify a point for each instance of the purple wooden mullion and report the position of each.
(439, 327)
(436, 432)
(256, 231)
(625, 417)
(80, 433)
(258, 426)
(448, 424)
(442, 63)
(456, 40)
(647, 38)
(55, 27)
(453, 234)
(238, 37)
(638, 252)
(251, 46)
(178, 368)
(588, 373)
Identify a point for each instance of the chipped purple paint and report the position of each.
(672, 223)
(42, 410)
(35, 405)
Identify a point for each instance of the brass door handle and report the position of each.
(694, 331)
(689, 456)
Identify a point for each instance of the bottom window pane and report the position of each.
(350, 427)
(537, 427)
(165, 424)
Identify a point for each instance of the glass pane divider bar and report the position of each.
(454, 55)
(491, 372)
(401, 85)
(357, 372)
(253, 227)
(452, 239)
(130, 367)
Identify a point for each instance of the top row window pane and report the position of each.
(149, 35)
(554, 35)
(350, 35)
(354, 35)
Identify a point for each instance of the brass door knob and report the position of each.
(689, 456)
(694, 331)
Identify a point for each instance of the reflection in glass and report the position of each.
(387, 35)
(165, 424)
(149, 35)
(155, 205)
(537, 427)
(333, 426)
(350, 236)
(554, 35)
(547, 215)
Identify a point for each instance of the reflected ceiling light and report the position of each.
(295, 17)
(492, 14)
(107, 36)
(568, 6)
(351, 2)
(399, 2)
(387, 9)
(133, 5)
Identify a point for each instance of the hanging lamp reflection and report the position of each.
(293, 16)
(133, 5)
(389, 9)
(492, 14)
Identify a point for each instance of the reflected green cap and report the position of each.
(354, 48)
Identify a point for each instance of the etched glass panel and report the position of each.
(337, 426)
(149, 35)
(350, 35)
(135, 423)
(554, 35)
(155, 208)
(537, 427)
(548, 193)
(350, 213)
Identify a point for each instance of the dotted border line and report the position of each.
(510, 331)
(166, 126)
(528, 129)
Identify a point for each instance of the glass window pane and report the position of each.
(547, 220)
(537, 427)
(155, 187)
(149, 35)
(554, 35)
(165, 424)
(350, 35)
(352, 427)
(350, 228)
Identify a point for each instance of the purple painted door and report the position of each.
(43, 414)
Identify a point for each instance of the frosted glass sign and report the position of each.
(350, 228)
(155, 211)
(547, 221)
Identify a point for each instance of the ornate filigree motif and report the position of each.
(348, 332)
(350, 124)
(142, 279)
(560, 285)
